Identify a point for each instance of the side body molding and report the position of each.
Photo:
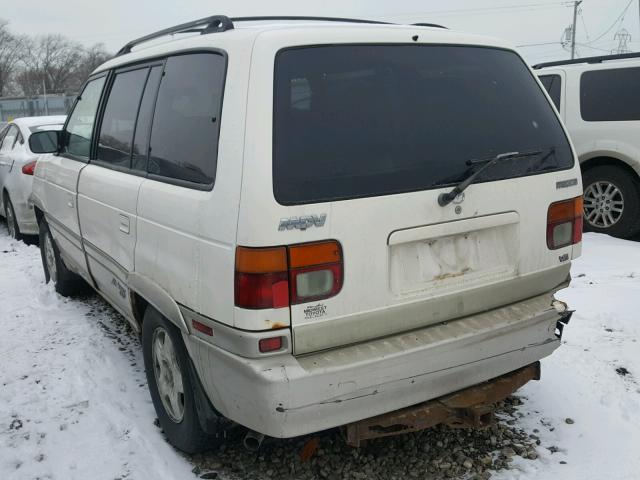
(158, 298)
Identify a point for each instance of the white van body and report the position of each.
(598, 101)
(432, 300)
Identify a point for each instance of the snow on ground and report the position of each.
(74, 402)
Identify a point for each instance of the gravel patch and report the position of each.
(437, 453)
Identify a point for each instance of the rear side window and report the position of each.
(143, 125)
(184, 135)
(553, 85)
(80, 124)
(118, 122)
(610, 95)
(365, 120)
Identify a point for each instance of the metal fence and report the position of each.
(38, 105)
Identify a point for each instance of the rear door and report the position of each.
(60, 174)
(369, 136)
(109, 185)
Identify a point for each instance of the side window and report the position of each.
(9, 139)
(553, 85)
(186, 122)
(610, 95)
(82, 118)
(143, 125)
(118, 122)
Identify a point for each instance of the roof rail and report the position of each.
(599, 59)
(216, 23)
(434, 25)
(222, 23)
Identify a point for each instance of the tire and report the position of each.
(12, 221)
(611, 201)
(170, 366)
(65, 281)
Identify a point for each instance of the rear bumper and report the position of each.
(287, 396)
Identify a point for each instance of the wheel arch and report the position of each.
(607, 160)
(145, 292)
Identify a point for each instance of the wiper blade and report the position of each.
(445, 199)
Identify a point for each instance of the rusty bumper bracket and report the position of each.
(469, 408)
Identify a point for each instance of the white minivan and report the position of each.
(317, 222)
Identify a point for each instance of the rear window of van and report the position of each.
(355, 121)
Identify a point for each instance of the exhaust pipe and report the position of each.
(253, 440)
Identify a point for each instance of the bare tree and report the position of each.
(92, 57)
(50, 62)
(10, 54)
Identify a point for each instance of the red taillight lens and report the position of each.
(29, 168)
(261, 278)
(282, 276)
(273, 344)
(564, 223)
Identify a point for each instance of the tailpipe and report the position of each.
(253, 440)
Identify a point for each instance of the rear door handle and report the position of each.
(124, 224)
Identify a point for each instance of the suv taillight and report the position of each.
(281, 276)
(564, 223)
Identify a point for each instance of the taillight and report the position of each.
(564, 223)
(282, 276)
(29, 168)
(315, 271)
(262, 278)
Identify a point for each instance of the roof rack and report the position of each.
(222, 23)
(599, 59)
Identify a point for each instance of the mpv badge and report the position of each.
(302, 223)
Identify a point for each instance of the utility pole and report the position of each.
(573, 28)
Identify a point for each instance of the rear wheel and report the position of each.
(65, 281)
(12, 221)
(173, 385)
(611, 201)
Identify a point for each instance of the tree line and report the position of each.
(52, 63)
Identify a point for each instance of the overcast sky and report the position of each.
(114, 22)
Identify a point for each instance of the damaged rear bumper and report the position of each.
(287, 396)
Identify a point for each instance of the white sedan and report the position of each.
(17, 164)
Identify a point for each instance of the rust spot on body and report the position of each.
(275, 325)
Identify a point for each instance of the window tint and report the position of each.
(143, 125)
(553, 85)
(116, 131)
(82, 118)
(9, 139)
(610, 95)
(184, 136)
(356, 121)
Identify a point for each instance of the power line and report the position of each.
(484, 9)
(620, 17)
(537, 44)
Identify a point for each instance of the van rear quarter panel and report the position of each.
(363, 226)
(186, 237)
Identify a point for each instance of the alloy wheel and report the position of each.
(603, 204)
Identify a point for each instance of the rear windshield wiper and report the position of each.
(445, 199)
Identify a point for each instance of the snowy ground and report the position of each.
(74, 402)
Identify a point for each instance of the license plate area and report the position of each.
(444, 258)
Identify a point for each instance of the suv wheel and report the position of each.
(172, 383)
(10, 216)
(65, 281)
(611, 201)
